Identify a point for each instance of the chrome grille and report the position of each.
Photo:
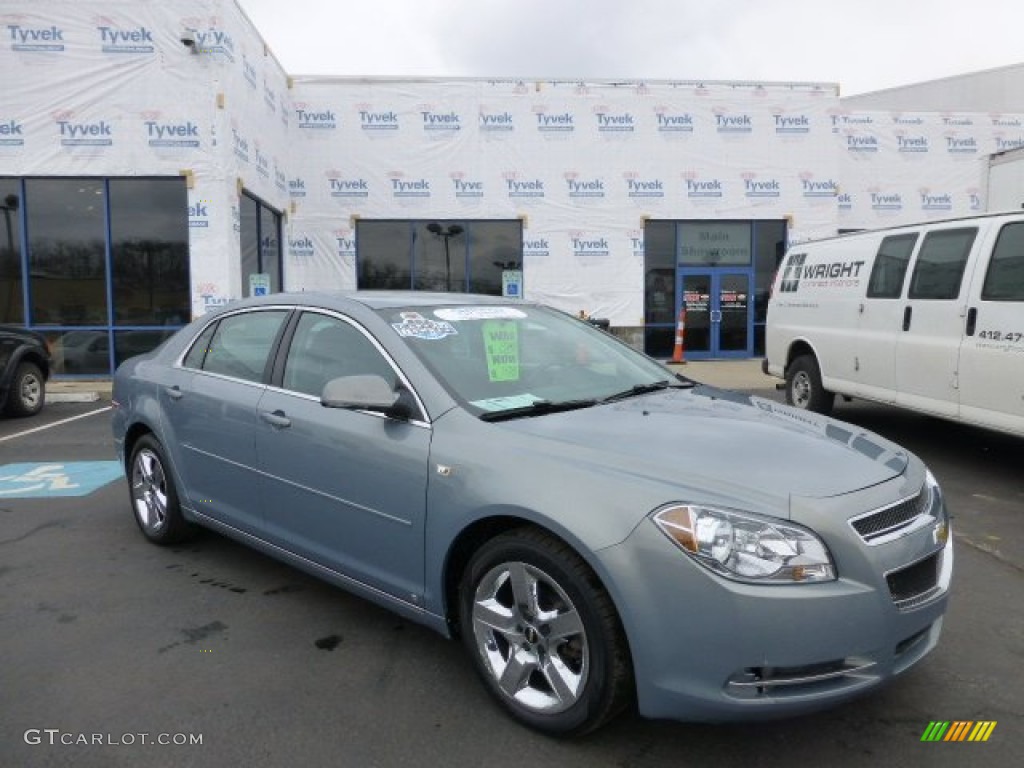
(893, 519)
(915, 584)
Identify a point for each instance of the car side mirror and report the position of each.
(366, 393)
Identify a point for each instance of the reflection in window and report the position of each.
(241, 344)
(66, 225)
(260, 242)
(940, 264)
(12, 305)
(660, 272)
(444, 255)
(149, 251)
(891, 266)
(1004, 280)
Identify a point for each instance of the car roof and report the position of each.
(378, 299)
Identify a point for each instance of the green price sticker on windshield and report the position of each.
(501, 340)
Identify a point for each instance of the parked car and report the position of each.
(599, 532)
(24, 369)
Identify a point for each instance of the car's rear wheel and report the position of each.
(28, 391)
(804, 388)
(155, 496)
(543, 633)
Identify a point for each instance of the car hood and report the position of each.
(723, 442)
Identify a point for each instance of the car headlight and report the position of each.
(747, 548)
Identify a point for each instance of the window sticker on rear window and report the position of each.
(506, 403)
(417, 326)
(501, 342)
(480, 313)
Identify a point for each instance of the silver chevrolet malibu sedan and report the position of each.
(599, 532)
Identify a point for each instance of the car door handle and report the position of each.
(174, 392)
(972, 320)
(276, 419)
(906, 318)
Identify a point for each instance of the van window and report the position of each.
(1004, 280)
(891, 266)
(940, 264)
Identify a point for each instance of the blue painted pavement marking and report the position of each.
(43, 480)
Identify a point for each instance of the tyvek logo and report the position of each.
(741, 124)
(1003, 144)
(316, 119)
(163, 135)
(346, 243)
(261, 161)
(861, 144)
(886, 202)
(441, 122)
(296, 187)
(809, 187)
(12, 134)
(36, 39)
(637, 187)
(563, 122)
(530, 188)
(957, 146)
(301, 247)
(900, 119)
(1001, 121)
(583, 244)
(377, 121)
(934, 202)
(199, 215)
(845, 201)
(609, 122)
(496, 122)
(97, 134)
(957, 120)
(974, 199)
(586, 188)
(466, 188)
(709, 188)
(911, 144)
(789, 125)
(135, 40)
(269, 97)
(673, 122)
(241, 145)
(760, 188)
(402, 189)
(341, 187)
(280, 179)
(536, 247)
(215, 41)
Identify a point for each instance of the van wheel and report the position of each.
(804, 389)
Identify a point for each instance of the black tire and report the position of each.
(564, 685)
(804, 389)
(154, 494)
(27, 394)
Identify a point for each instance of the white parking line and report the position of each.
(54, 424)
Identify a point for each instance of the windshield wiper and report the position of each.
(538, 408)
(646, 389)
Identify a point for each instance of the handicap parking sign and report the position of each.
(43, 480)
(259, 284)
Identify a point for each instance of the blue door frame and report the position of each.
(719, 311)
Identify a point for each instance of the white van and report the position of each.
(927, 316)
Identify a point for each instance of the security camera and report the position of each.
(188, 39)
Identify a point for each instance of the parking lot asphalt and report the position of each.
(106, 636)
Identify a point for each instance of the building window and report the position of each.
(260, 243)
(108, 265)
(463, 256)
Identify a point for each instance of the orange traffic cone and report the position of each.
(679, 351)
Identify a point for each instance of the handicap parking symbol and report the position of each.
(43, 480)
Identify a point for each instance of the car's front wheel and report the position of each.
(28, 391)
(543, 633)
(154, 495)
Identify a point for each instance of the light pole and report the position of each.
(446, 233)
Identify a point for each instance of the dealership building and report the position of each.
(156, 161)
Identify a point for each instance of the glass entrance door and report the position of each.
(718, 313)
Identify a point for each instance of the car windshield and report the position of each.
(510, 360)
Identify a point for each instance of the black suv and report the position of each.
(24, 369)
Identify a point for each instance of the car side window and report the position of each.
(940, 264)
(1004, 280)
(325, 347)
(241, 344)
(891, 266)
(196, 355)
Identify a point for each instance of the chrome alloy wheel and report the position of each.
(31, 391)
(149, 490)
(530, 637)
(801, 389)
